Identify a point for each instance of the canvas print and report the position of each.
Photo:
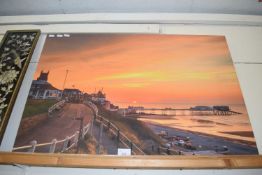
(139, 94)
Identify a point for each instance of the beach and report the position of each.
(205, 142)
(235, 126)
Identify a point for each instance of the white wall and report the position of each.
(22, 170)
(245, 44)
(34, 7)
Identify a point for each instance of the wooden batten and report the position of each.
(132, 162)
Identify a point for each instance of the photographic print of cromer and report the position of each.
(152, 94)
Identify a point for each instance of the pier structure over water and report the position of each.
(197, 110)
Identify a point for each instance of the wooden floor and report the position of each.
(145, 162)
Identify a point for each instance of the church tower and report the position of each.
(43, 76)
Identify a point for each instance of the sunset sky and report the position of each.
(139, 69)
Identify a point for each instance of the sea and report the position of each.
(227, 126)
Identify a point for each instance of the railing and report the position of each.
(115, 131)
(66, 143)
(56, 106)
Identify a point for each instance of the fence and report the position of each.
(56, 106)
(65, 144)
(115, 131)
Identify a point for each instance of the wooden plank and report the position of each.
(145, 162)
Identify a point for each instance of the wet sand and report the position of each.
(208, 142)
(152, 116)
(241, 133)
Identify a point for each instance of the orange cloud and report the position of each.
(145, 68)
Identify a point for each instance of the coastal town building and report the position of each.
(107, 105)
(42, 89)
(130, 110)
(72, 95)
(113, 107)
(99, 97)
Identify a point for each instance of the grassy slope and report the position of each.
(34, 107)
(136, 130)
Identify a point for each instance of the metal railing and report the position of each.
(115, 131)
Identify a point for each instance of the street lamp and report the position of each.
(80, 132)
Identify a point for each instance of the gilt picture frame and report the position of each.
(16, 49)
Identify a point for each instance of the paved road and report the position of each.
(59, 126)
(109, 144)
(63, 124)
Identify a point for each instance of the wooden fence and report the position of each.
(65, 144)
(56, 106)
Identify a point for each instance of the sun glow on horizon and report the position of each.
(144, 68)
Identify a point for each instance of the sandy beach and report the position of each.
(204, 142)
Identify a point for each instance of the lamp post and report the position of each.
(63, 88)
(65, 78)
(80, 132)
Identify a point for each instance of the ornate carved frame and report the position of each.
(16, 50)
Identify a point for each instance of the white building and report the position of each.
(42, 89)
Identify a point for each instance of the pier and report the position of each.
(199, 111)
